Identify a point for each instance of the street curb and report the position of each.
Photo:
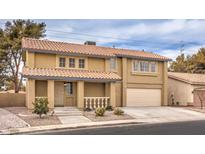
(15, 131)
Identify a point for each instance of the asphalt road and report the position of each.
(177, 128)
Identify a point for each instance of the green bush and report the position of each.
(118, 111)
(87, 109)
(100, 111)
(109, 108)
(41, 106)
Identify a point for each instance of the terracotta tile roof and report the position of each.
(90, 50)
(188, 77)
(68, 73)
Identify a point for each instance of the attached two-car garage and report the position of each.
(143, 97)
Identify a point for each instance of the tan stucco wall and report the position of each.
(30, 59)
(182, 91)
(97, 64)
(41, 88)
(30, 93)
(94, 89)
(50, 93)
(124, 69)
(59, 93)
(118, 94)
(165, 84)
(12, 99)
(150, 81)
(45, 61)
(80, 94)
(144, 78)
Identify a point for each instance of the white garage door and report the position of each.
(143, 97)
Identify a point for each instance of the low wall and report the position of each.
(12, 99)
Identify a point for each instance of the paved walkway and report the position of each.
(163, 114)
(10, 120)
(70, 115)
(73, 119)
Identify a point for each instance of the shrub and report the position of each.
(100, 111)
(41, 106)
(109, 108)
(118, 111)
(87, 109)
(177, 103)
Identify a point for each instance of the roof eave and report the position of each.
(186, 81)
(143, 58)
(69, 78)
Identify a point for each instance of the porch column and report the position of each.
(30, 93)
(80, 94)
(50, 94)
(112, 94)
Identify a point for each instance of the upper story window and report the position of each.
(81, 63)
(144, 66)
(136, 66)
(61, 62)
(153, 67)
(72, 62)
(113, 64)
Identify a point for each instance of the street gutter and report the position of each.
(16, 131)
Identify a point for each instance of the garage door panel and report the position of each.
(143, 97)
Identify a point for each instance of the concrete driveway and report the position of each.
(163, 114)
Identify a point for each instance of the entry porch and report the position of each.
(81, 94)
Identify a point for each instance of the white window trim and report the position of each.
(144, 72)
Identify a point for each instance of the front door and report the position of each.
(70, 94)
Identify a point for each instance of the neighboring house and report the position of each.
(83, 75)
(183, 87)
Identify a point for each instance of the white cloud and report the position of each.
(162, 36)
(171, 53)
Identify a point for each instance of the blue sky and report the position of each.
(165, 37)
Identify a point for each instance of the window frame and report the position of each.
(151, 63)
(144, 66)
(140, 62)
(133, 66)
(70, 64)
(59, 64)
(79, 63)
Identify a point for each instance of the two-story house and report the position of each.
(90, 76)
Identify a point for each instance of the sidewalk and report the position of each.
(66, 126)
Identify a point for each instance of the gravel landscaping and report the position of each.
(108, 116)
(33, 119)
(10, 120)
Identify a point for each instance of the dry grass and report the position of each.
(34, 119)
